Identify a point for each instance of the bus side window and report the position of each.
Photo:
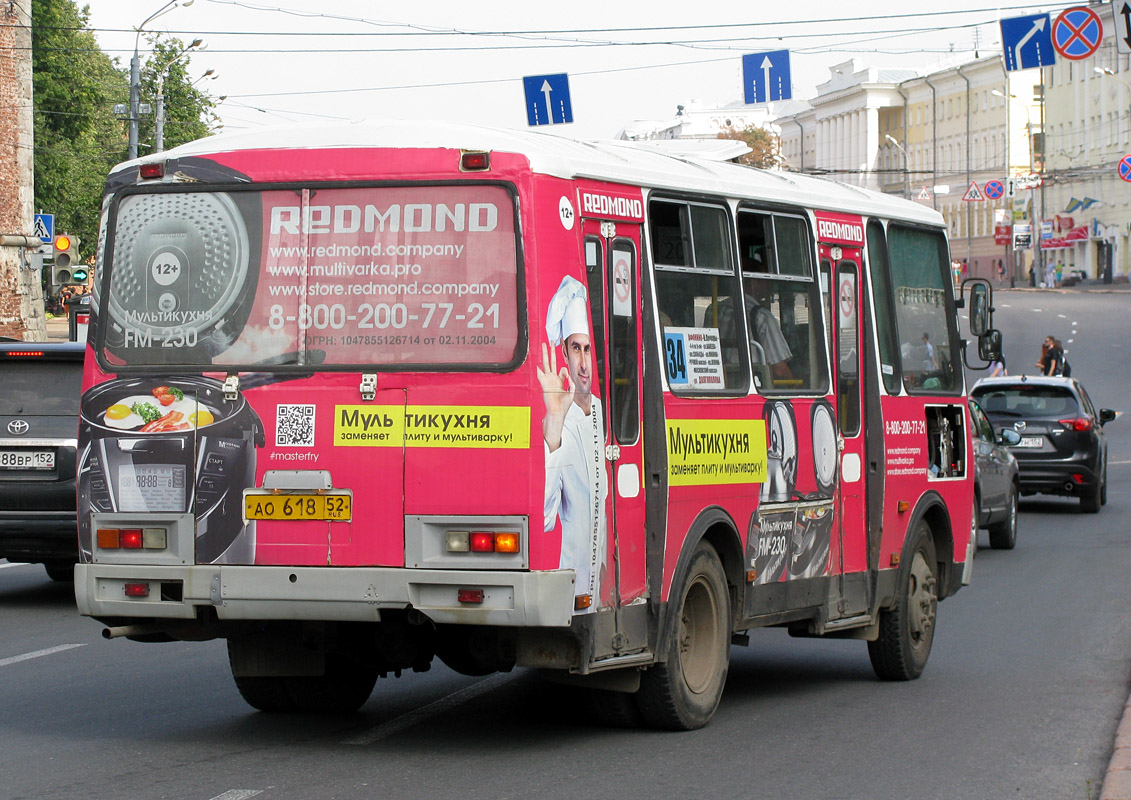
(595, 278)
(698, 298)
(890, 368)
(625, 344)
(782, 303)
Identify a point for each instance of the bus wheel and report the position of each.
(266, 694)
(262, 693)
(611, 709)
(683, 692)
(344, 687)
(907, 629)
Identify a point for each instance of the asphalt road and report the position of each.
(1026, 683)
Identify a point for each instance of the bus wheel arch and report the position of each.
(924, 577)
(715, 527)
(683, 690)
(932, 510)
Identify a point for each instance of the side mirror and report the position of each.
(989, 345)
(1010, 437)
(1106, 415)
(980, 310)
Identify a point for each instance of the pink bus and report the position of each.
(361, 396)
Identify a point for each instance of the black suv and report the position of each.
(1062, 448)
(40, 387)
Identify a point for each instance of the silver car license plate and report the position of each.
(27, 459)
(1031, 441)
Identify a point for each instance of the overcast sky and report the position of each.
(300, 60)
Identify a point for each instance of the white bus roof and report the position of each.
(643, 164)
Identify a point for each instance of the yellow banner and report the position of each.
(716, 451)
(432, 426)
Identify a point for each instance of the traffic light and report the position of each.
(67, 268)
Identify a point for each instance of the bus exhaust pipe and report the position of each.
(130, 631)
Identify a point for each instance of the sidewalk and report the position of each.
(1090, 285)
(57, 329)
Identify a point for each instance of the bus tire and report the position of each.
(344, 687)
(611, 709)
(266, 694)
(683, 691)
(907, 629)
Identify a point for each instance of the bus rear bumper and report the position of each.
(353, 594)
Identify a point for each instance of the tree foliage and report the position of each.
(78, 139)
(763, 145)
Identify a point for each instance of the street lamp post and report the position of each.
(135, 73)
(159, 116)
(1035, 224)
(906, 173)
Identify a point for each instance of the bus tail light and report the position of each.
(470, 595)
(132, 538)
(582, 602)
(138, 589)
(481, 542)
(152, 170)
(474, 161)
(506, 542)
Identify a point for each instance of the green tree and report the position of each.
(762, 143)
(77, 138)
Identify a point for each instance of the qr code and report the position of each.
(294, 425)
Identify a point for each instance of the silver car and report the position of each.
(996, 482)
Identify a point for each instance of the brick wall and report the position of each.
(21, 298)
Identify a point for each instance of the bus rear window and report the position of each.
(386, 277)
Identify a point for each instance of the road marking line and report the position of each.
(238, 794)
(49, 651)
(398, 724)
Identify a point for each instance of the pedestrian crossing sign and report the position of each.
(973, 193)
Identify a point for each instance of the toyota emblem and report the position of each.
(18, 427)
(1019, 425)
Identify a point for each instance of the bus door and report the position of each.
(842, 263)
(612, 263)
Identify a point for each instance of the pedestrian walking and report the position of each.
(1054, 357)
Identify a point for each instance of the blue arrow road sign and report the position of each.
(45, 227)
(547, 99)
(1027, 42)
(765, 76)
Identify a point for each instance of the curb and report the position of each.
(1117, 779)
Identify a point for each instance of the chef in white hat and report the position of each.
(574, 432)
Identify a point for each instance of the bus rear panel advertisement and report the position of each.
(361, 406)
